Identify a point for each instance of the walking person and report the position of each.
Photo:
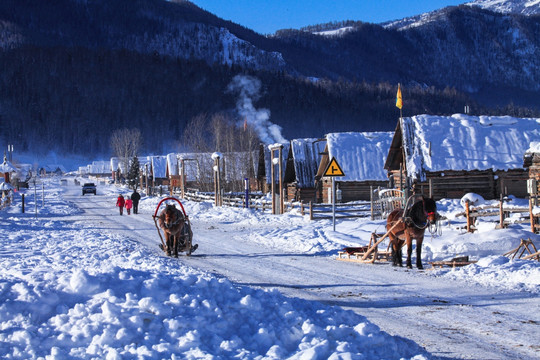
(129, 205)
(135, 197)
(120, 202)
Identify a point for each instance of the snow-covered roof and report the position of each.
(361, 155)
(54, 168)
(100, 167)
(305, 160)
(172, 163)
(534, 148)
(115, 163)
(24, 169)
(7, 166)
(463, 142)
(159, 166)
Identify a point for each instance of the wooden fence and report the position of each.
(381, 204)
(384, 201)
(502, 212)
(256, 201)
(343, 211)
(534, 215)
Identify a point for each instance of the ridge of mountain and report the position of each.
(172, 28)
(521, 7)
(465, 47)
(136, 62)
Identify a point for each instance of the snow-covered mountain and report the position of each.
(171, 60)
(517, 7)
(523, 7)
(178, 29)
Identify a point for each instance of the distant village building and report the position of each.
(459, 154)
(302, 162)
(159, 170)
(116, 169)
(99, 169)
(361, 156)
(52, 169)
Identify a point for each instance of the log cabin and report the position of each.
(361, 156)
(302, 162)
(449, 156)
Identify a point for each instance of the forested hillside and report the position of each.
(72, 99)
(75, 71)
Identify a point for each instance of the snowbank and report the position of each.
(69, 290)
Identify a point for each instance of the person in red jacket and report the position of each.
(129, 205)
(120, 202)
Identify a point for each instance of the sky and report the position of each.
(265, 17)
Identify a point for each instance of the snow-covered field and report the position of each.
(74, 285)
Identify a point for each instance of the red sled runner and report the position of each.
(177, 228)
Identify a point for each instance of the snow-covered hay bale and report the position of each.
(472, 198)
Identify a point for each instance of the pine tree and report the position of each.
(133, 174)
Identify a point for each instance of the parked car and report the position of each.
(89, 188)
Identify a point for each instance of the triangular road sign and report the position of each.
(333, 169)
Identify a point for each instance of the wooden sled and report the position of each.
(370, 253)
(186, 239)
(455, 262)
(525, 245)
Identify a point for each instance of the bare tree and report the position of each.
(125, 144)
(238, 143)
(195, 136)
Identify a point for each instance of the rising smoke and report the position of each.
(248, 88)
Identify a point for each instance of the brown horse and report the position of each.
(171, 220)
(410, 224)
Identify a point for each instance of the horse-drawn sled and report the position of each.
(403, 226)
(176, 226)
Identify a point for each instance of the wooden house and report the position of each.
(450, 156)
(55, 169)
(301, 166)
(116, 170)
(361, 156)
(158, 170)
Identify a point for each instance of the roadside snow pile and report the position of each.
(69, 290)
(499, 272)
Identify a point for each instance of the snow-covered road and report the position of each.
(449, 318)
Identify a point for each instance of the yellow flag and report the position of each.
(399, 100)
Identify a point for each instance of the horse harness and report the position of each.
(408, 219)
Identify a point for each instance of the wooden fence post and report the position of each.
(371, 201)
(501, 213)
(531, 215)
(468, 215)
(302, 208)
(310, 210)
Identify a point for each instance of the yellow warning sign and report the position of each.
(333, 169)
